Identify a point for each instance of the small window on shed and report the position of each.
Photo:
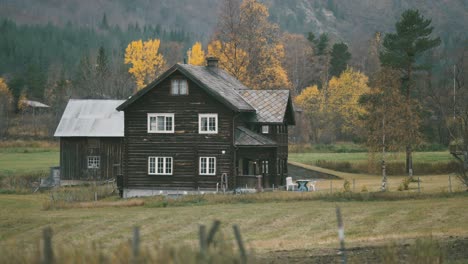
(265, 129)
(179, 87)
(94, 162)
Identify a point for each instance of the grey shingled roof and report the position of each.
(246, 137)
(91, 118)
(270, 104)
(221, 83)
(217, 82)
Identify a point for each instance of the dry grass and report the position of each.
(51, 205)
(265, 226)
(428, 184)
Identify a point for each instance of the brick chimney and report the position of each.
(212, 62)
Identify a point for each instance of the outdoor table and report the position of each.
(302, 185)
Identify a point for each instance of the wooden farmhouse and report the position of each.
(193, 128)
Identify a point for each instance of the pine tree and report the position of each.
(104, 23)
(321, 44)
(339, 59)
(102, 64)
(402, 51)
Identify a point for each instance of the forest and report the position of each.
(334, 82)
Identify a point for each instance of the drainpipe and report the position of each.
(234, 172)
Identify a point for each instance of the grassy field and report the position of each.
(311, 158)
(265, 226)
(17, 157)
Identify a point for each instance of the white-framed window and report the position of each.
(265, 166)
(265, 129)
(208, 123)
(179, 87)
(160, 123)
(207, 166)
(160, 165)
(94, 162)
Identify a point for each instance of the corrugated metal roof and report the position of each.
(246, 137)
(270, 104)
(91, 118)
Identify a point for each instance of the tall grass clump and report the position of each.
(21, 183)
(67, 197)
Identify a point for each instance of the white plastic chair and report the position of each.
(290, 183)
(312, 186)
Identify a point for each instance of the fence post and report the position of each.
(135, 244)
(202, 238)
(341, 235)
(354, 185)
(450, 183)
(48, 251)
(331, 186)
(240, 243)
(419, 184)
(212, 233)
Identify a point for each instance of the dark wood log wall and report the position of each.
(74, 152)
(185, 145)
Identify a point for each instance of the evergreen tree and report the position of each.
(339, 59)
(321, 44)
(401, 51)
(102, 65)
(104, 23)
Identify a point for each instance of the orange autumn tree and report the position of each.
(248, 46)
(344, 93)
(196, 55)
(231, 58)
(145, 59)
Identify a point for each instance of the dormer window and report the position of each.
(265, 129)
(179, 87)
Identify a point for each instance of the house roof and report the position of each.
(217, 83)
(271, 105)
(91, 118)
(246, 137)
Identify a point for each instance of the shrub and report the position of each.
(347, 186)
(364, 188)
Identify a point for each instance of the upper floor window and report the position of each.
(160, 165)
(265, 129)
(179, 87)
(207, 165)
(160, 123)
(208, 123)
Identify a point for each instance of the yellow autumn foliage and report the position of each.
(343, 97)
(231, 58)
(196, 55)
(6, 97)
(145, 59)
(310, 99)
(271, 75)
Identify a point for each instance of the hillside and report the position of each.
(350, 21)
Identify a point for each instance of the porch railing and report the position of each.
(249, 181)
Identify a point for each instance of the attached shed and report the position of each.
(91, 138)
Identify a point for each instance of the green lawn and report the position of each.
(265, 226)
(12, 162)
(311, 158)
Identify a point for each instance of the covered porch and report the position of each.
(256, 157)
